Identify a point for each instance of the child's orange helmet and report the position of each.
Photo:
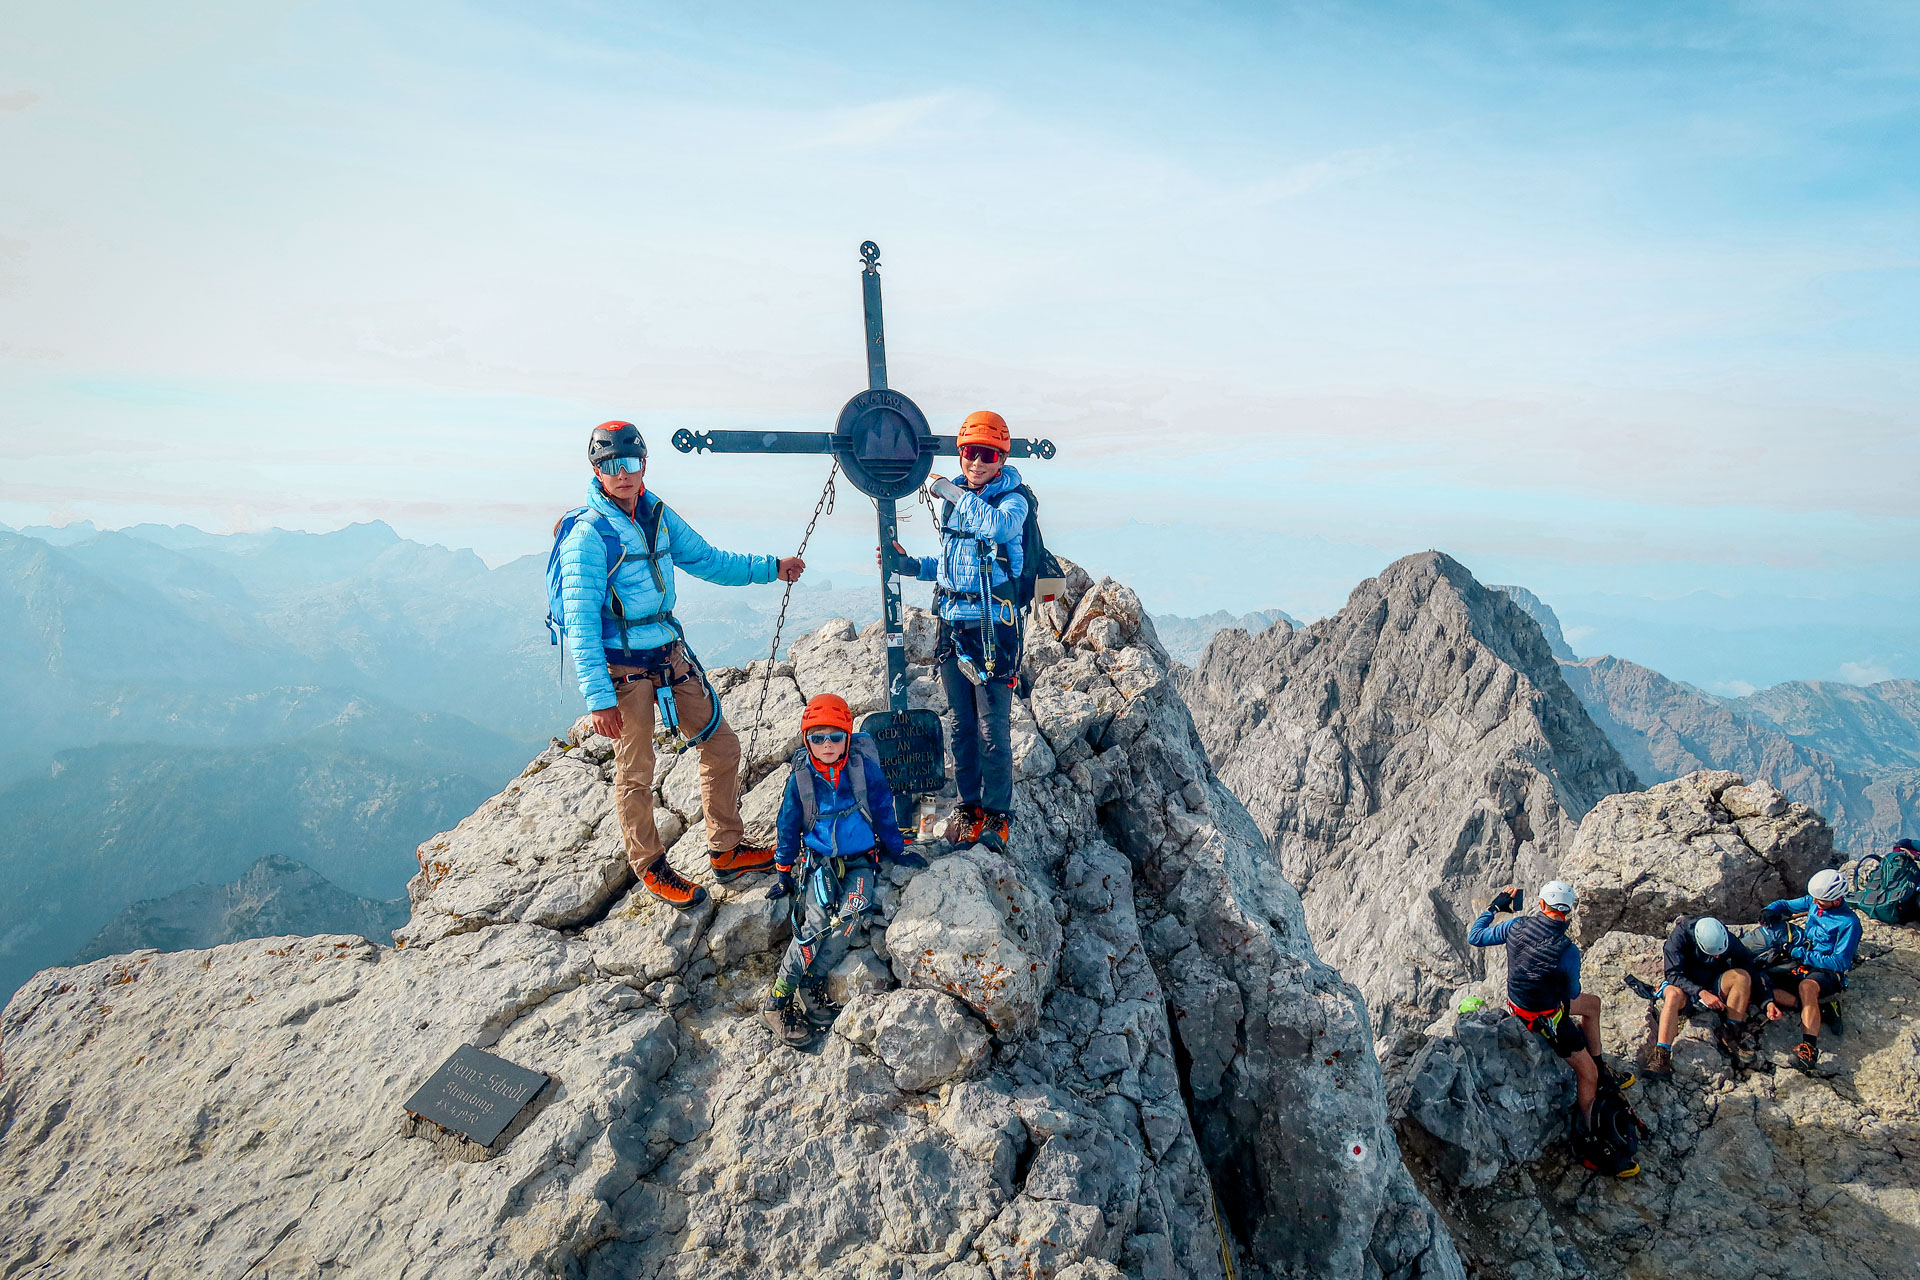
(828, 711)
(984, 426)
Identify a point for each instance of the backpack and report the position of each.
(616, 553)
(1887, 887)
(1772, 944)
(860, 746)
(1616, 1131)
(1041, 576)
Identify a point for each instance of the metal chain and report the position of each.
(825, 505)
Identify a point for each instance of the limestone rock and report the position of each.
(925, 1036)
(237, 1111)
(970, 927)
(1705, 844)
(1406, 757)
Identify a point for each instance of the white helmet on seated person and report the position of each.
(1710, 936)
(1558, 894)
(1827, 886)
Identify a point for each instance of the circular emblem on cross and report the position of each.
(884, 444)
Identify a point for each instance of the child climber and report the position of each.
(836, 822)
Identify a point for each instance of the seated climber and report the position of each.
(1820, 959)
(1543, 991)
(1707, 967)
(836, 823)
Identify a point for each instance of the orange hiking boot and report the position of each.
(964, 827)
(745, 859)
(666, 884)
(995, 829)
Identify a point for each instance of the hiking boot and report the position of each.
(1806, 1055)
(731, 866)
(994, 830)
(964, 827)
(1656, 1060)
(666, 884)
(1726, 1037)
(789, 1025)
(1830, 1017)
(821, 1010)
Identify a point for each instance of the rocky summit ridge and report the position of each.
(1110, 1050)
(1403, 755)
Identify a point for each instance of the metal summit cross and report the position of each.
(883, 443)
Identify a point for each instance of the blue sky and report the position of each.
(1616, 301)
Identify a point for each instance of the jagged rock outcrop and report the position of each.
(1705, 844)
(1761, 1170)
(237, 1110)
(1541, 612)
(1405, 756)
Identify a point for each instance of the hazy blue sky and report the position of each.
(1604, 299)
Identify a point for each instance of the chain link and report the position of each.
(824, 506)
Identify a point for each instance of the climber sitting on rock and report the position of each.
(1820, 960)
(1543, 987)
(836, 823)
(1707, 967)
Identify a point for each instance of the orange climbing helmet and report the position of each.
(828, 711)
(984, 426)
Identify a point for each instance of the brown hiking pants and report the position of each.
(633, 765)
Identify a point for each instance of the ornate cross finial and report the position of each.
(870, 254)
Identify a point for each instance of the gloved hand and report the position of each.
(941, 487)
(908, 858)
(785, 887)
(1773, 915)
(1503, 901)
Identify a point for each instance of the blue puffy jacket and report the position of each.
(591, 629)
(957, 567)
(1832, 933)
(840, 829)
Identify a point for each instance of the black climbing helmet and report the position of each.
(615, 440)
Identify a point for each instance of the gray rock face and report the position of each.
(1541, 612)
(1185, 639)
(275, 896)
(1406, 756)
(1705, 844)
(1767, 1171)
(237, 1111)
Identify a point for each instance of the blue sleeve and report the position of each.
(789, 846)
(929, 570)
(1570, 965)
(701, 559)
(1848, 947)
(1002, 524)
(886, 821)
(1485, 933)
(583, 595)
(1792, 906)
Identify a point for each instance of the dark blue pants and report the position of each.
(982, 738)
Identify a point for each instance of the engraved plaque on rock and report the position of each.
(912, 750)
(475, 1094)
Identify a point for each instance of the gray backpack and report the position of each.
(860, 747)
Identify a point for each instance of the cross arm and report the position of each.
(948, 447)
(753, 441)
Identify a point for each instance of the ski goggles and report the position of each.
(614, 466)
(827, 737)
(979, 453)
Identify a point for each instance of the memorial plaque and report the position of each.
(912, 750)
(884, 443)
(475, 1094)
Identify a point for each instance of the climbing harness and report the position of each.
(823, 506)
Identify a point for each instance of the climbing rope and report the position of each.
(824, 506)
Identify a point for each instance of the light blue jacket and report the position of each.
(591, 629)
(1833, 933)
(957, 567)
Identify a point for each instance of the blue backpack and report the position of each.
(616, 553)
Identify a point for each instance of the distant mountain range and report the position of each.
(274, 896)
(1850, 751)
(1185, 639)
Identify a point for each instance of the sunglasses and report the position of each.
(827, 737)
(614, 466)
(979, 453)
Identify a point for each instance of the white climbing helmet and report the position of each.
(1827, 886)
(1557, 894)
(1710, 936)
